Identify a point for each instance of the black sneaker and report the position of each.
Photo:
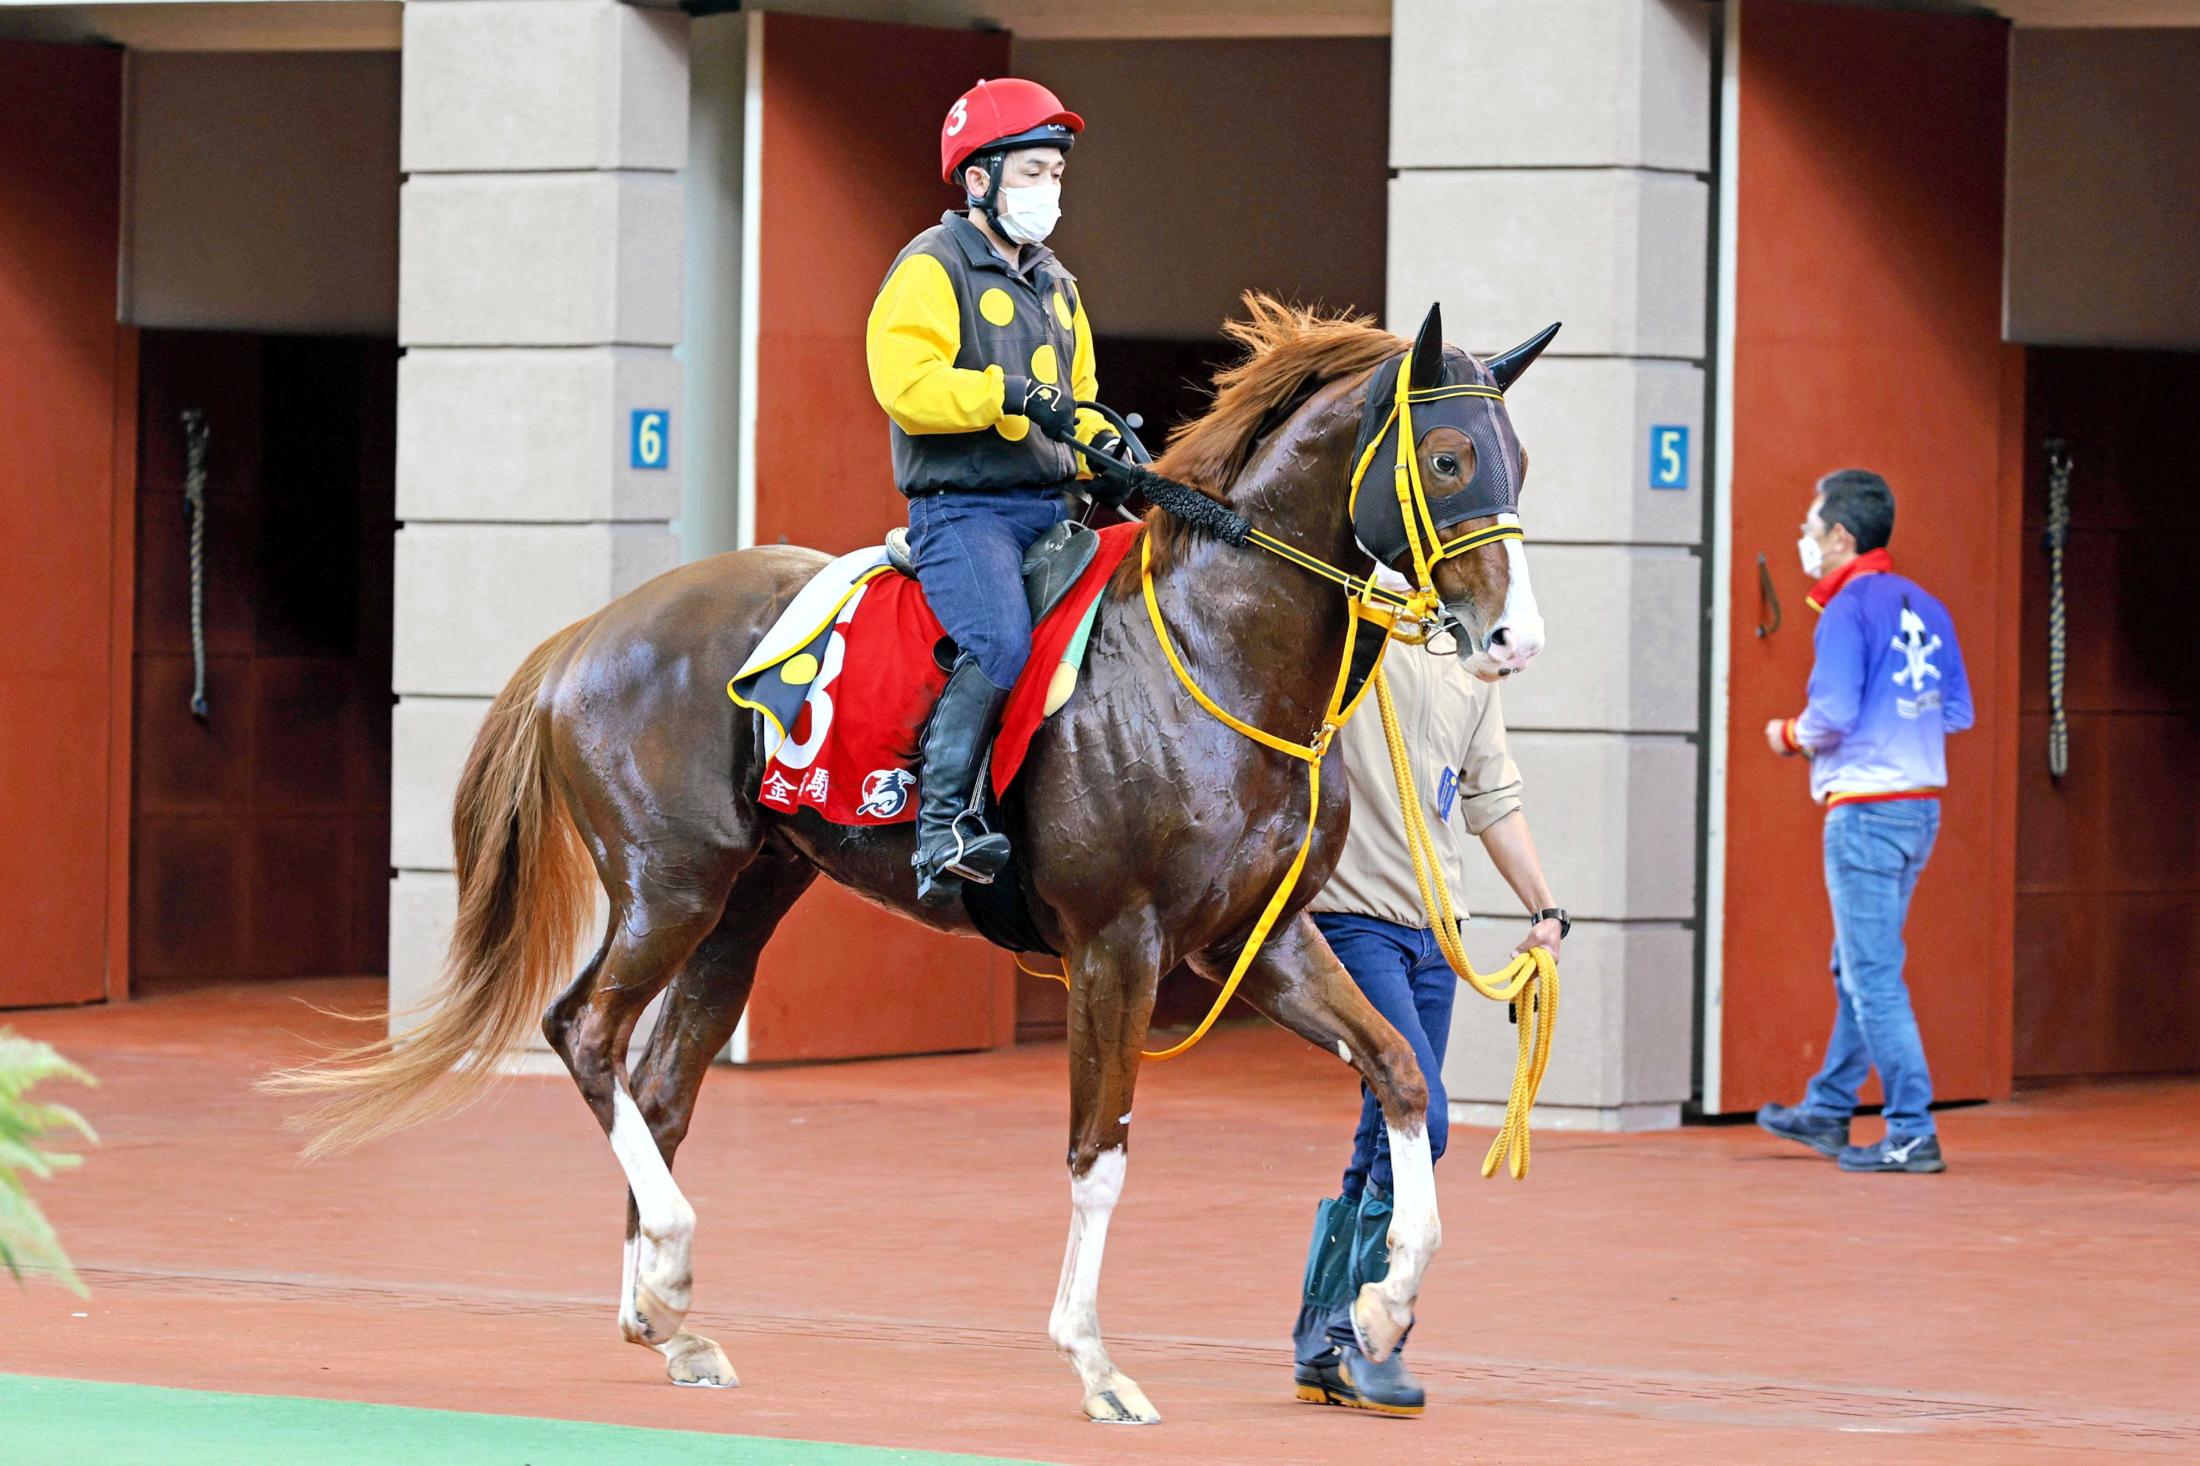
(1827, 1136)
(1916, 1155)
(1346, 1377)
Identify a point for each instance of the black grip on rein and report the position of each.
(1181, 501)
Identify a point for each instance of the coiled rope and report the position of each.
(1529, 983)
(2058, 537)
(194, 509)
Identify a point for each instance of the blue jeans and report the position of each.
(1404, 974)
(969, 546)
(1874, 855)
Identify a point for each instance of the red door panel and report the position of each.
(850, 160)
(62, 376)
(2108, 856)
(1868, 333)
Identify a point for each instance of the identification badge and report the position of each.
(1447, 794)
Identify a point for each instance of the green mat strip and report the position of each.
(70, 1422)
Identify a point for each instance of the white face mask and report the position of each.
(1814, 559)
(1029, 214)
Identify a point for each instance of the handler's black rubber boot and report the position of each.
(1349, 1378)
(1821, 1133)
(1913, 1155)
(953, 844)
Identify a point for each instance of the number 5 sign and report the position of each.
(1668, 457)
(651, 445)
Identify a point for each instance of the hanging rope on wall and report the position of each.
(2058, 537)
(194, 511)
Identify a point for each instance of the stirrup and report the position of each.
(958, 865)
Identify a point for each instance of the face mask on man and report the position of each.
(1029, 214)
(1814, 558)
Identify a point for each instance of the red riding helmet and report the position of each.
(1010, 112)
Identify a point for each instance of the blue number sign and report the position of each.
(652, 439)
(1668, 457)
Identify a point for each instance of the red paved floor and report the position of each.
(879, 1245)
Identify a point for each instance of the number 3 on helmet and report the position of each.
(1004, 114)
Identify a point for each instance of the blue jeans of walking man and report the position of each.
(1874, 855)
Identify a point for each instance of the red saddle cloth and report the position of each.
(851, 752)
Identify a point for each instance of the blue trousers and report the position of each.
(969, 546)
(1405, 976)
(1874, 855)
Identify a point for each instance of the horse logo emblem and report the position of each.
(886, 793)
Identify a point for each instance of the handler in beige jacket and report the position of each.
(1372, 916)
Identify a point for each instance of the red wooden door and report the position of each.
(2108, 856)
(1867, 332)
(64, 386)
(849, 160)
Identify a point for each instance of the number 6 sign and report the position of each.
(651, 446)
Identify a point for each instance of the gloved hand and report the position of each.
(1049, 408)
(1110, 442)
(1107, 489)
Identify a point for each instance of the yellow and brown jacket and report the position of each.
(954, 332)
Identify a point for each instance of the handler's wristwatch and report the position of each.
(1557, 914)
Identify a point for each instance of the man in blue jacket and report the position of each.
(1886, 688)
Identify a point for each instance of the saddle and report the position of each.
(1051, 566)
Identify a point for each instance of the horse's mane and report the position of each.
(1290, 353)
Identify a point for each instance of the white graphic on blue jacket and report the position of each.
(1887, 687)
(1917, 664)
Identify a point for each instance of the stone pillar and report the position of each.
(1551, 163)
(539, 299)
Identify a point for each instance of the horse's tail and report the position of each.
(522, 900)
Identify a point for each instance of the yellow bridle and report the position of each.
(1530, 982)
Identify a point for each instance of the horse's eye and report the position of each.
(1447, 465)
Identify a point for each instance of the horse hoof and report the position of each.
(694, 1361)
(1376, 1327)
(1119, 1402)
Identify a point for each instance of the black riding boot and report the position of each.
(953, 844)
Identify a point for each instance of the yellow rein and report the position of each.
(1530, 981)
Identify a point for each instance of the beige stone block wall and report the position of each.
(539, 297)
(429, 740)
(545, 259)
(517, 85)
(1623, 624)
(514, 434)
(1521, 83)
(1616, 254)
(1585, 424)
(477, 598)
(1550, 161)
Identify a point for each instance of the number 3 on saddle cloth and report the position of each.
(843, 682)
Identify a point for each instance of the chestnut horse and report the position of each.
(1153, 833)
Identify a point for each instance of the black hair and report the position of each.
(1859, 501)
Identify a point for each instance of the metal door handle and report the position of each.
(1767, 598)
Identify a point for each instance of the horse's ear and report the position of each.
(1428, 352)
(1506, 366)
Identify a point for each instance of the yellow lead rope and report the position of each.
(1529, 982)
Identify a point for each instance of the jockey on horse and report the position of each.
(979, 349)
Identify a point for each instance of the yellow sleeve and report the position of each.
(1084, 381)
(910, 343)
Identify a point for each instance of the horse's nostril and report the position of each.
(1497, 637)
